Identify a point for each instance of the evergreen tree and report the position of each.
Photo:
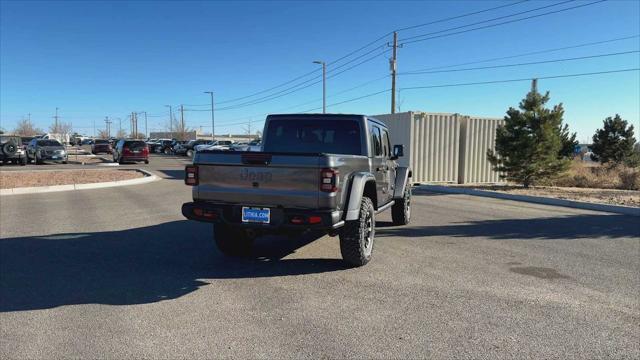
(569, 142)
(531, 145)
(614, 142)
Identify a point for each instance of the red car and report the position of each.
(131, 151)
(101, 146)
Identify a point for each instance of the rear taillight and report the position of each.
(191, 175)
(145, 150)
(329, 180)
(125, 150)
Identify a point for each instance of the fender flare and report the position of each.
(355, 195)
(402, 180)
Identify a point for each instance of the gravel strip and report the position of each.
(598, 196)
(18, 179)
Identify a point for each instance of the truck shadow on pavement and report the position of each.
(134, 266)
(551, 228)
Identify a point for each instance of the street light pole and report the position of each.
(213, 121)
(324, 85)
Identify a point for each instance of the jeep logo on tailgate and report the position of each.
(261, 176)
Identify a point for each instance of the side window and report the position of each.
(386, 147)
(376, 142)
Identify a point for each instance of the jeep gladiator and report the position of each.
(325, 172)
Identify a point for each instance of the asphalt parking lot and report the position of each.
(119, 273)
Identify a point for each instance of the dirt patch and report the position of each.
(17, 179)
(598, 196)
(87, 160)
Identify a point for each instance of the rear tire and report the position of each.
(146, 162)
(401, 210)
(232, 241)
(356, 237)
(23, 161)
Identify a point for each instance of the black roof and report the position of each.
(326, 116)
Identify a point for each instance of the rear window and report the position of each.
(48, 143)
(314, 136)
(102, 142)
(135, 144)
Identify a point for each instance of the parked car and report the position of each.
(188, 148)
(101, 146)
(87, 142)
(324, 172)
(253, 145)
(40, 150)
(163, 146)
(11, 150)
(131, 151)
(216, 145)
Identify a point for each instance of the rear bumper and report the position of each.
(280, 217)
(134, 158)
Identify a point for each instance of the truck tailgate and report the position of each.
(228, 177)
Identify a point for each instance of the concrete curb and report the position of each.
(625, 210)
(149, 177)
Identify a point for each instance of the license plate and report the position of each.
(136, 151)
(256, 215)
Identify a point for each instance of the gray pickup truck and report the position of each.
(324, 172)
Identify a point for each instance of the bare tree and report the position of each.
(180, 131)
(26, 128)
(121, 134)
(102, 134)
(61, 128)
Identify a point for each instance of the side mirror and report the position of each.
(398, 151)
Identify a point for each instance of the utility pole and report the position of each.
(324, 85)
(393, 65)
(56, 122)
(170, 119)
(94, 128)
(181, 122)
(213, 121)
(146, 132)
(534, 85)
(29, 117)
(108, 125)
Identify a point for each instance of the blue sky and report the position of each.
(97, 59)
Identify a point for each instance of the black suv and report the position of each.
(11, 150)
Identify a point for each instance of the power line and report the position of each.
(351, 100)
(530, 53)
(497, 24)
(488, 20)
(460, 16)
(520, 64)
(358, 50)
(521, 79)
(297, 87)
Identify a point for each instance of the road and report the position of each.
(118, 273)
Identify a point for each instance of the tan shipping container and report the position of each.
(431, 141)
(477, 135)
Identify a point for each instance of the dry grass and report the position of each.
(15, 179)
(589, 182)
(583, 175)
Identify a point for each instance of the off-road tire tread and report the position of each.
(350, 236)
(398, 215)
